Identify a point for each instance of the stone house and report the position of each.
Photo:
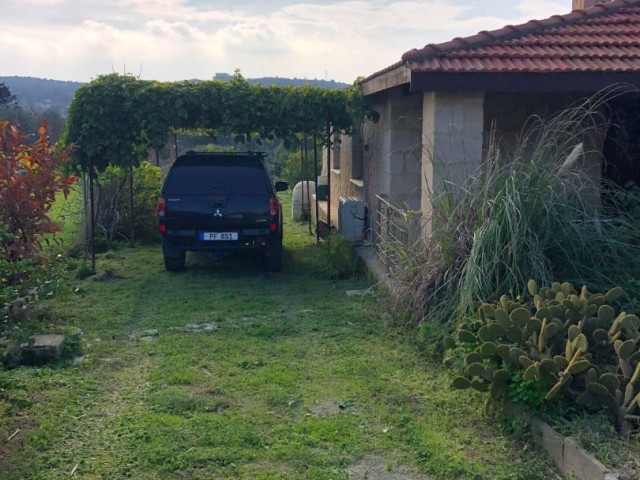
(442, 101)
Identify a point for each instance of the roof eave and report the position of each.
(585, 82)
(399, 75)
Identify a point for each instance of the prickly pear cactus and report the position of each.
(571, 342)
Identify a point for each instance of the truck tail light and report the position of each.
(160, 207)
(274, 206)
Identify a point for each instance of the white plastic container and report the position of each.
(300, 207)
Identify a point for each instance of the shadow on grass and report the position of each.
(308, 260)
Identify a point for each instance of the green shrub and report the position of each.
(24, 280)
(288, 163)
(342, 260)
(572, 346)
(113, 203)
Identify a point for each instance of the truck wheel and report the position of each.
(174, 264)
(273, 263)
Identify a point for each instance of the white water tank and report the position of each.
(299, 202)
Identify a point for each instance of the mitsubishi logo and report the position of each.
(217, 214)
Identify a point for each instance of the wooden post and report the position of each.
(306, 174)
(315, 169)
(131, 210)
(302, 174)
(329, 175)
(92, 222)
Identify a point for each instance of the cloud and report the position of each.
(177, 39)
(541, 9)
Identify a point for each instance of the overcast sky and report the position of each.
(186, 39)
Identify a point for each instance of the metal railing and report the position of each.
(395, 232)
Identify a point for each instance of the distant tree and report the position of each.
(6, 98)
(29, 121)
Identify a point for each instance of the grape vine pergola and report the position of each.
(115, 117)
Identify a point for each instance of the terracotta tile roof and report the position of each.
(603, 38)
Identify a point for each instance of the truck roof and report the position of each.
(242, 159)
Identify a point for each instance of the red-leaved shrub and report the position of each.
(29, 182)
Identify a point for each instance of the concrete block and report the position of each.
(413, 162)
(568, 457)
(375, 268)
(580, 464)
(458, 148)
(396, 164)
(403, 185)
(459, 112)
(42, 349)
(550, 441)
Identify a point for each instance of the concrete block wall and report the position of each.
(452, 137)
(342, 182)
(402, 160)
(390, 152)
(506, 115)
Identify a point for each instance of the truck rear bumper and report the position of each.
(175, 241)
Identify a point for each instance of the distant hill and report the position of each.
(295, 82)
(43, 94)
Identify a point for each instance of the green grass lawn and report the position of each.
(292, 380)
(67, 212)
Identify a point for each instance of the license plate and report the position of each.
(218, 236)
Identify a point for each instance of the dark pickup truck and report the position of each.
(218, 202)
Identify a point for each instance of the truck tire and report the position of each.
(273, 256)
(273, 263)
(174, 264)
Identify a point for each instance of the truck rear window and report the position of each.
(207, 179)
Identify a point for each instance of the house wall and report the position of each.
(389, 153)
(506, 115)
(425, 142)
(401, 160)
(452, 145)
(343, 184)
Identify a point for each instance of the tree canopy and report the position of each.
(114, 116)
(6, 97)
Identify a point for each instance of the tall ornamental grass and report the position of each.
(533, 212)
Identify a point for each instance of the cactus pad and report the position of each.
(460, 383)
